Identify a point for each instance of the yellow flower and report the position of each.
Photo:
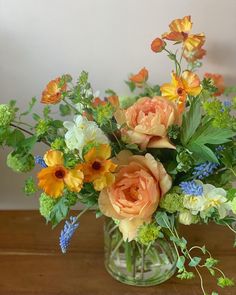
(180, 87)
(179, 32)
(97, 168)
(56, 176)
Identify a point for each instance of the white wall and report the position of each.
(42, 39)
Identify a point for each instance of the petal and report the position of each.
(129, 227)
(181, 25)
(53, 158)
(105, 205)
(74, 180)
(160, 142)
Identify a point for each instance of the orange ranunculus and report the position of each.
(188, 84)
(140, 78)
(97, 167)
(192, 56)
(147, 122)
(53, 91)
(132, 199)
(158, 45)
(218, 81)
(56, 176)
(179, 32)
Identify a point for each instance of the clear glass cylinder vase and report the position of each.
(135, 264)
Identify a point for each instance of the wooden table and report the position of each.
(31, 262)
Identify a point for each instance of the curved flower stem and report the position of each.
(234, 231)
(70, 105)
(28, 132)
(23, 123)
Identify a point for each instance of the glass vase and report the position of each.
(135, 264)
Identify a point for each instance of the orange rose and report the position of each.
(218, 81)
(140, 77)
(147, 122)
(158, 45)
(53, 91)
(134, 196)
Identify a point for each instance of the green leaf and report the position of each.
(64, 110)
(28, 143)
(162, 219)
(14, 138)
(31, 105)
(180, 262)
(59, 212)
(202, 152)
(36, 117)
(231, 194)
(131, 85)
(191, 121)
(194, 261)
(179, 242)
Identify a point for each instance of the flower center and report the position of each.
(96, 165)
(60, 173)
(180, 91)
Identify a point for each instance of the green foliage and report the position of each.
(7, 115)
(184, 159)
(173, 131)
(46, 205)
(65, 110)
(71, 159)
(20, 162)
(88, 195)
(191, 121)
(164, 220)
(225, 282)
(30, 107)
(14, 137)
(103, 113)
(220, 114)
(30, 188)
(42, 127)
(148, 233)
(172, 202)
(59, 211)
(131, 85)
(186, 275)
(58, 144)
(194, 261)
(208, 89)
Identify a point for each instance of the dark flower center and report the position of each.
(96, 165)
(180, 91)
(60, 174)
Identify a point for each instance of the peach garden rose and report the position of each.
(147, 122)
(134, 196)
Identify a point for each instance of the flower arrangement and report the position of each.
(162, 154)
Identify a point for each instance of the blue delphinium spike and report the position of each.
(40, 161)
(67, 233)
(204, 169)
(191, 188)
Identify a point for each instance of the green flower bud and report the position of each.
(148, 233)
(46, 204)
(187, 218)
(172, 202)
(7, 114)
(20, 162)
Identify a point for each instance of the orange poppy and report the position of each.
(140, 78)
(218, 81)
(97, 167)
(192, 56)
(158, 45)
(179, 32)
(53, 91)
(56, 176)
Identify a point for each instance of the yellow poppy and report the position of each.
(56, 176)
(180, 87)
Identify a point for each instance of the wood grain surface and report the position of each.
(31, 262)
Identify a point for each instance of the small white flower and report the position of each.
(193, 203)
(187, 218)
(82, 132)
(215, 198)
